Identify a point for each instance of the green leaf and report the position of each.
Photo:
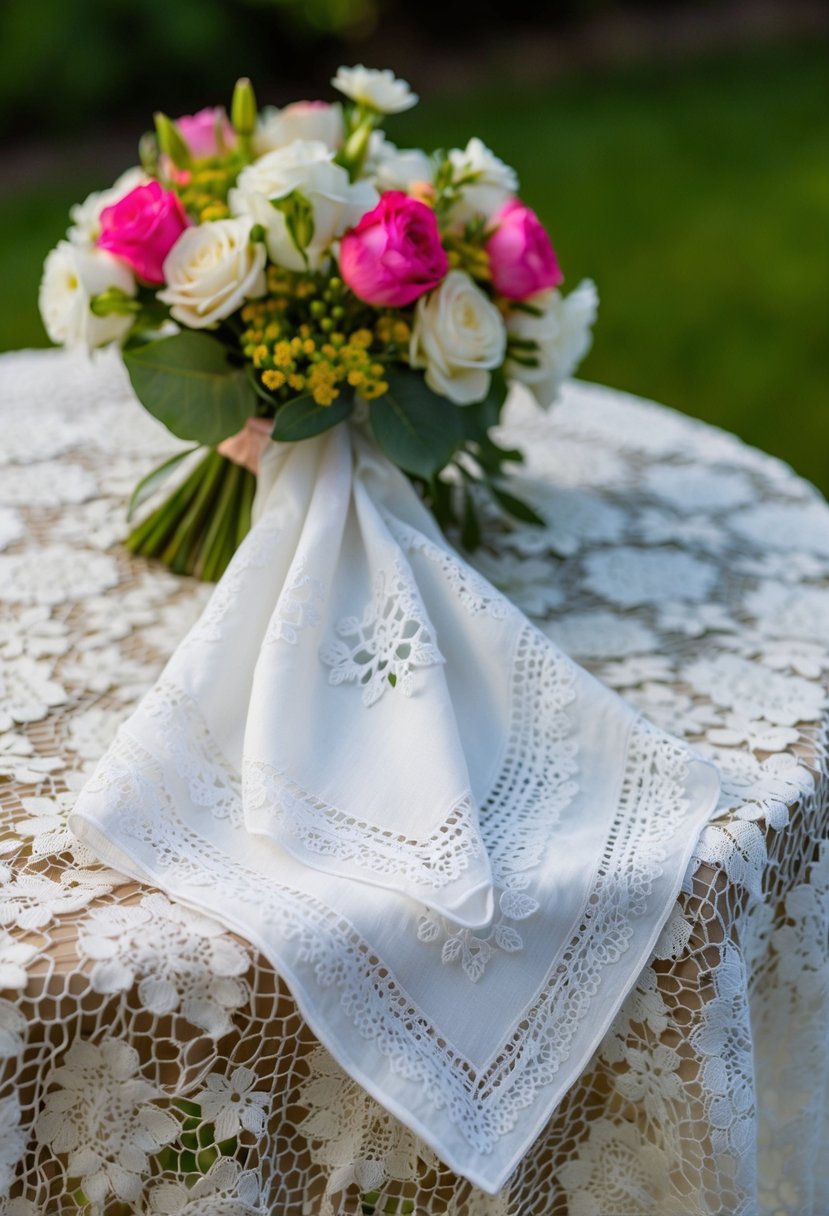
(488, 411)
(516, 507)
(187, 382)
(148, 485)
(491, 457)
(416, 428)
(302, 418)
(440, 498)
(478, 419)
(471, 533)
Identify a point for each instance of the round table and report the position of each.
(153, 1062)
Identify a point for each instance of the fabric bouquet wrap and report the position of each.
(455, 845)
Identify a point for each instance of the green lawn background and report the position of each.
(695, 194)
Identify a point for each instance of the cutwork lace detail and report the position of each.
(257, 549)
(214, 784)
(473, 591)
(533, 788)
(297, 608)
(183, 733)
(382, 649)
(328, 832)
(485, 1103)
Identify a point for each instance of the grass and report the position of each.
(695, 194)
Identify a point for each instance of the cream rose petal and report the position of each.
(458, 338)
(211, 271)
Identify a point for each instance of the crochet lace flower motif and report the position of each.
(231, 1103)
(178, 958)
(102, 1116)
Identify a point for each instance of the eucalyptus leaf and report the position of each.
(416, 428)
(187, 382)
(302, 418)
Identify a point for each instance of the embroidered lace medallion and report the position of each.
(457, 847)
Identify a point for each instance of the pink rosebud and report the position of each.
(142, 228)
(521, 259)
(394, 255)
(201, 131)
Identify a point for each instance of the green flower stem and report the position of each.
(177, 552)
(151, 532)
(246, 511)
(198, 529)
(220, 541)
(186, 552)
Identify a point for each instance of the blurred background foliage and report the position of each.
(679, 154)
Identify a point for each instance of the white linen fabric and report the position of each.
(457, 846)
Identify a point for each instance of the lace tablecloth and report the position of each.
(152, 1062)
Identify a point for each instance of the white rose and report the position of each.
(304, 166)
(379, 149)
(314, 120)
(562, 334)
(492, 182)
(72, 275)
(459, 337)
(399, 168)
(211, 270)
(86, 216)
(375, 89)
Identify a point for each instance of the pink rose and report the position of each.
(142, 228)
(394, 255)
(521, 258)
(201, 131)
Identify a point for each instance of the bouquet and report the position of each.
(273, 274)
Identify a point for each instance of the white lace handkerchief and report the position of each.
(456, 846)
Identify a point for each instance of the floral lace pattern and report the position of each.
(256, 550)
(210, 782)
(382, 649)
(327, 832)
(471, 590)
(298, 608)
(536, 784)
(485, 1104)
(101, 1115)
(177, 958)
(737, 989)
